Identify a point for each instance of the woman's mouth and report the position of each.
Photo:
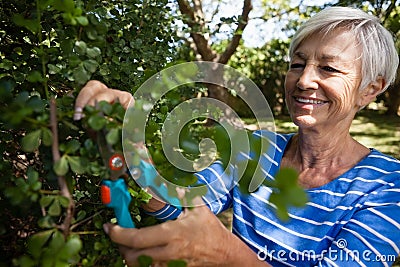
(312, 101)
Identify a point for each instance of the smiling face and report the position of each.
(322, 83)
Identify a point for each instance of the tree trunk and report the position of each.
(202, 44)
(393, 97)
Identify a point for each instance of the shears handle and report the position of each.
(115, 195)
(145, 174)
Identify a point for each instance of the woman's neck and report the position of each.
(324, 151)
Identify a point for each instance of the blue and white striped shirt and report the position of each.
(353, 220)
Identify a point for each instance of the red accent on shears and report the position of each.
(111, 162)
(105, 194)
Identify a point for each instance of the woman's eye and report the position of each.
(296, 66)
(329, 69)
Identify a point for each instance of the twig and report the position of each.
(64, 191)
(85, 220)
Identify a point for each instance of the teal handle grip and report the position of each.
(115, 195)
(147, 178)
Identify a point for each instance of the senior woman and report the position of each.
(340, 60)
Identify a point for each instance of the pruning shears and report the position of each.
(146, 176)
(114, 190)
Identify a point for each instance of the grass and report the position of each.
(370, 127)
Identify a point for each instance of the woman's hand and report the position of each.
(94, 92)
(197, 237)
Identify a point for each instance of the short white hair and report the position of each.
(379, 57)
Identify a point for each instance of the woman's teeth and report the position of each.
(309, 101)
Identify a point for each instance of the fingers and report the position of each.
(94, 92)
(123, 97)
(88, 92)
(150, 236)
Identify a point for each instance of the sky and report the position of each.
(257, 32)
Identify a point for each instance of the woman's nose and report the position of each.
(308, 79)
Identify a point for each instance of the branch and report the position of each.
(389, 10)
(85, 220)
(65, 226)
(233, 44)
(196, 18)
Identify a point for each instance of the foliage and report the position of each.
(266, 66)
(50, 49)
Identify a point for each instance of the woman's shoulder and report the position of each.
(377, 159)
(378, 167)
(276, 140)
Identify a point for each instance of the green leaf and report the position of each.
(97, 122)
(80, 47)
(53, 69)
(82, 20)
(33, 176)
(33, 179)
(81, 215)
(42, 4)
(46, 222)
(113, 136)
(64, 201)
(297, 197)
(47, 137)
(98, 246)
(72, 146)
(286, 177)
(31, 141)
(45, 201)
(80, 75)
(76, 164)
(145, 261)
(105, 107)
(92, 35)
(32, 25)
(71, 248)
(57, 242)
(34, 76)
(64, 5)
(90, 65)
(26, 261)
(37, 241)
(176, 263)
(61, 166)
(55, 209)
(93, 52)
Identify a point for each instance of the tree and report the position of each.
(201, 35)
(51, 168)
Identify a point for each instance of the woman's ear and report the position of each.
(371, 91)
